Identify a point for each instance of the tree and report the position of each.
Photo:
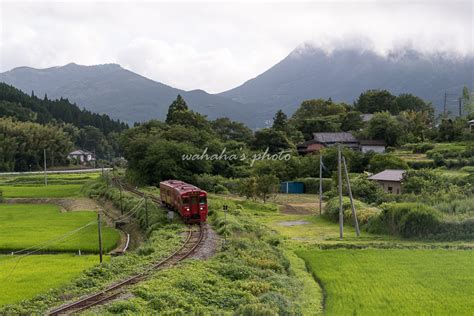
(381, 162)
(248, 188)
(266, 186)
(372, 101)
(410, 102)
(178, 105)
(450, 130)
(468, 101)
(416, 123)
(280, 121)
(352, 121)
(227, 130)
(275, 141)
(384, 126)
(317, 115)
(92, 139)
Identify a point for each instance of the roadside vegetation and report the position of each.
(251, 275)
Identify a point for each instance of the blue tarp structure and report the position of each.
(292, 187)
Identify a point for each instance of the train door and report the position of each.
(194, 206)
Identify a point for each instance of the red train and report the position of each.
(187, 199)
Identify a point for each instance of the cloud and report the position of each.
(216, 46)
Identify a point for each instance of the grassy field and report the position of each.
(27, 225)
(50, 191)
(26, 278)
(394, 282)
(66, 178)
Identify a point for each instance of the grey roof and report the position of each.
(388, 175)
(80, 152)
(342, 137)
(366, 117)
(471, 122)
(373, 142)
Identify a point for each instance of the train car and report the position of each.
(188, 200)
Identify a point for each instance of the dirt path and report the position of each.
(66, 205)
(299, 208)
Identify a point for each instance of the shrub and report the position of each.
(407, 220)
(454, 207)
(216, 183)
(463, 230)
(421, 164)
(386, 161)
(364, 213)
(276, 299)
(311, 185)
(255, 310)
(419, 148)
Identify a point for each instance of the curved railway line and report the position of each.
(195, 235)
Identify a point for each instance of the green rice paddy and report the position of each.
(29, 225)
(394, 281)
(32, 275)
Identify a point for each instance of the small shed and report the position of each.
(390, 180)
(292, 187)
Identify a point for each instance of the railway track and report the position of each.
(193, 239)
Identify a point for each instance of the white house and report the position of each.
(471, 125)
(82, 156)
(377, 146)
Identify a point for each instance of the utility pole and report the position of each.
(445, 100)
(99, 223)
(354, 214)
(339, 178)
(44, 161)
(320, 183)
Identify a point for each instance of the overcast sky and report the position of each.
(217, 46)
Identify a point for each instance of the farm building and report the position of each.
(390, 180)
(81, 156)
(471, 125)
(377, 146)
(321, 140)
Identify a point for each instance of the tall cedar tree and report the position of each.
(178, 105)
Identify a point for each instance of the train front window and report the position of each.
(202, 200)
(193, 200)
(185, 200)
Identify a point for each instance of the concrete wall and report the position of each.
(391, 186)
(377, 149)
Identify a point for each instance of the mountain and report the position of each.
(309, 72)
(118, 92)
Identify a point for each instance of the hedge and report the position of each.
(406, 220)
(364, 212)
(311, 185)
